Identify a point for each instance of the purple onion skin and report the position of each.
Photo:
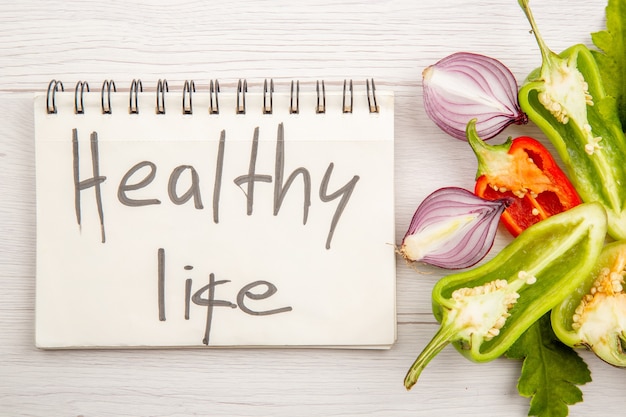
(464, 86)
(461, 248)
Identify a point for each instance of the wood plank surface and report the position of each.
(390, 41)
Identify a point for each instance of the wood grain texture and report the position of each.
(391, 41)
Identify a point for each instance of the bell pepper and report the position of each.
(566, 99)
(523, 170)
(483, 311)
(594, 316)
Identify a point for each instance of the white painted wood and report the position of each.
(391, 41)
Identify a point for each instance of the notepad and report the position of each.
(222, 217)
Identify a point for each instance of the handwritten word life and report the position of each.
(210, 300)
(137, 178)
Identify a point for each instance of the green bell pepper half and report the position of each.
(566, 99)
(594, 315)
(483, 311)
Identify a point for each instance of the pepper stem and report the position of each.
(490, 157)
(441, 339)
(546, 53)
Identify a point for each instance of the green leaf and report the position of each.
(612, 57)
(551, 371)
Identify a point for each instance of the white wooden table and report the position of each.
(391, 41)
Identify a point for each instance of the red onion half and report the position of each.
(464, 86)
(452, 228)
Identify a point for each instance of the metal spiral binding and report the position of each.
(294, 109)
(268, 108)
(162, 88)
(51, 102)
(371, 97)
(188, 89)
(347, 108)
(79, 108)
(214, 89)
(321, 100)
(136, 87)
(242, 89)
(107, 85)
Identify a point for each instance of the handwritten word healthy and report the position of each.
(144, 172)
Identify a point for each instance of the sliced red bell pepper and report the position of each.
(524, 169)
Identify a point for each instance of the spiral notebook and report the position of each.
(215, 216)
